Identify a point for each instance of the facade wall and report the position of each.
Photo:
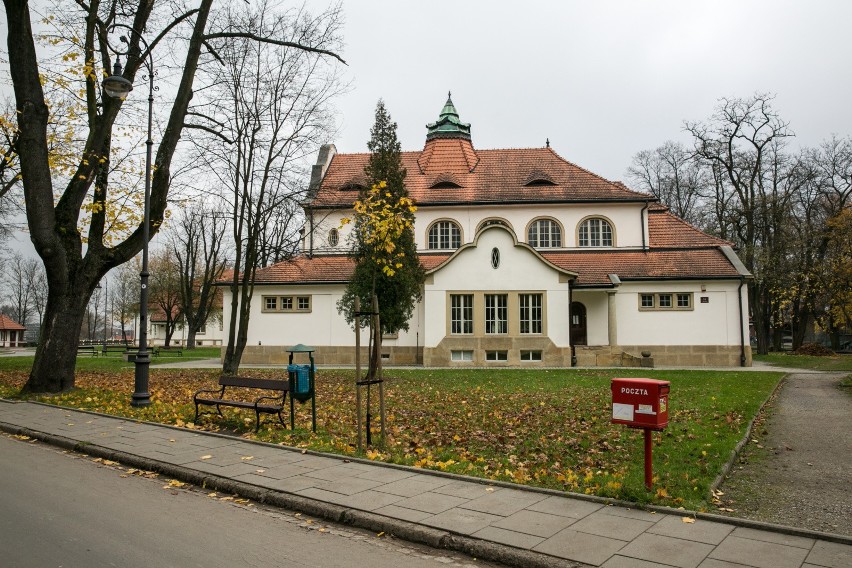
(321, 327)
(519, 270)
(714, 321)
(212, 336)
(626, 220)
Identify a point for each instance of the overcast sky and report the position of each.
(603, 80)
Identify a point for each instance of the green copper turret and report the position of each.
(448, 124)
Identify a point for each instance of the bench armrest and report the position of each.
(281, 398)
(220, 392)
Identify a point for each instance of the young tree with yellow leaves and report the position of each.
(387, 266)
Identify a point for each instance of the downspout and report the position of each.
(311, 235)
(742, 322)
(642, 221)
(570, 303)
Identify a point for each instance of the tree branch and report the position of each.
(255, 37)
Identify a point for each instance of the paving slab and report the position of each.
(759, 553)
(611, 526)
(581, 547)
(512, 538)
(699, 530)
(667, 550)
(534, 523)
(461, 521)
(830, 554)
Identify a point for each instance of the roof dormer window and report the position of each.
(445, 185)
(538, 178)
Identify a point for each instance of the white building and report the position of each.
(530, 260)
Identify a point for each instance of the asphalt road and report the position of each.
(64, 510)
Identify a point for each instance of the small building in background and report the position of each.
(11, 333)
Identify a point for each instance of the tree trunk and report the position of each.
(56, 355)
(190, 338)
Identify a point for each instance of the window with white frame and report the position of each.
(286, 303)
(530, 313)
(496, 313)
(461, 355)
(496, 355)
(662, 301)
(595, 232)
(530, 355)
(461, 313)
(444, 235)
(544, 233)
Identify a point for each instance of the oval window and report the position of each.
(333, 237)
(495, 257)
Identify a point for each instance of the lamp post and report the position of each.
(117, 86)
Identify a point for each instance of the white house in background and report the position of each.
(211, 333)
(530, 261)
(11, 333)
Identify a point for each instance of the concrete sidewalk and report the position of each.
(514, 525)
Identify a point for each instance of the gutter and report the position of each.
(744, 275)
(742, 322)
(642, 221)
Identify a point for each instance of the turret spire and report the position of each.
(448, 124)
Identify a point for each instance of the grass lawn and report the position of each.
(112, 361)
(840, 362)
(549, 428)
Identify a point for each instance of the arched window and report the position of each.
(444, 235)
(333, 237)
(595, 232)
(544, 233)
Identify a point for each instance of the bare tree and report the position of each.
(165, 291)
(72, 270)
(741, 142)
(125, 297)
(674, 175)
(266, 110)
(196, 244)
(18, 279)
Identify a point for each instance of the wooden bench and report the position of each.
(120, 348)
(264, 404)
(165, 350)
(87, 350)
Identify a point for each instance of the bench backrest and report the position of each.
(248, 382)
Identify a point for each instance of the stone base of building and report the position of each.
(662, 355)
(519, 352)
(329, 355)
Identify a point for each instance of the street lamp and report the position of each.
(118, 87)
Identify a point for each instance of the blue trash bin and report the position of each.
(300, 381)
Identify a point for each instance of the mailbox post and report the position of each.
(641, 403)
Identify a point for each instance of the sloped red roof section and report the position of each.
(668, 231)
(485, 176)
(595, 267)
(8, 324)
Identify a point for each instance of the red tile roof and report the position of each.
(485, 176)
(669, 231)
(594, 267)
(7, 323)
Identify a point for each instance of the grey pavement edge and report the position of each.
(496, 521)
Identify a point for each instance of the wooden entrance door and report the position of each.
(578, 324)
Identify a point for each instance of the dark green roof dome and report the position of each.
(448, 124)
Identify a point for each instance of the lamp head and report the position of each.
(115, 85)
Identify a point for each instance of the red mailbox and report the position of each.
(640, 403)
